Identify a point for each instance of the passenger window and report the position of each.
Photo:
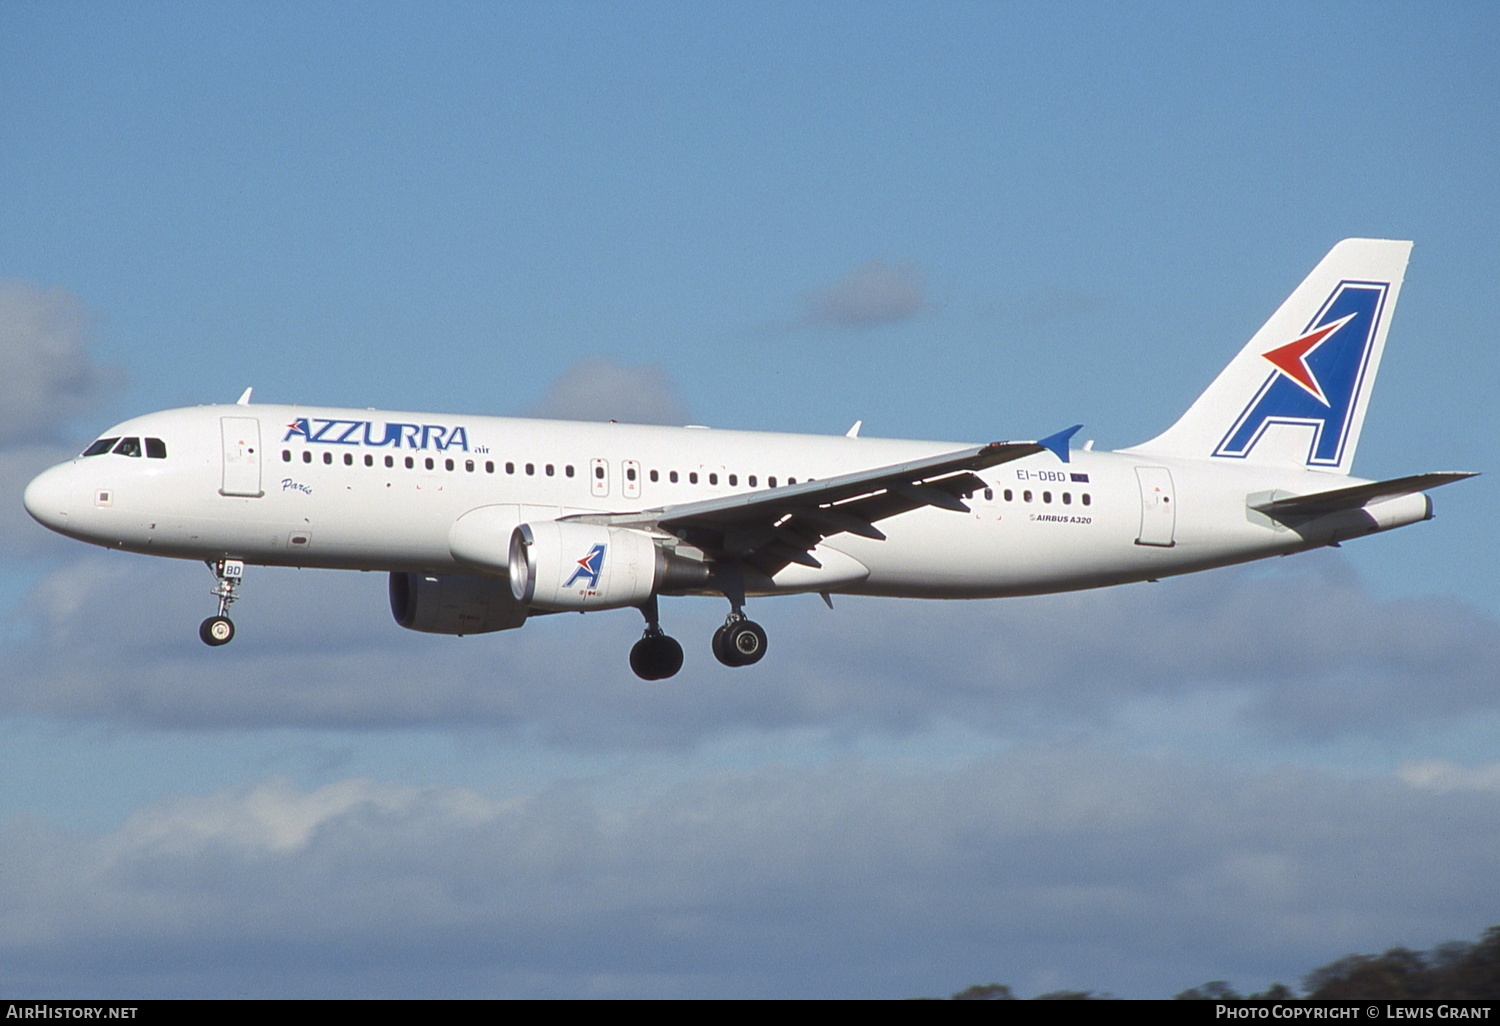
(156, 449)
(448, 464)
(734, 479)
(411, 463)
(692, 477)
(568, 470)
(1009, 495)
(369, 460)
(128, 447)
(630, 473)
(428, 463)
(510, 468)
(306, 455)
(1067, 498)
(549, 469)
(489, 466)
(672, 476)
(1026, 495)
(1086, 500)
(713, 479)
(102, 446)
(599, 473)
(655, 477)
(390, 461)
(989, 495)
(771, 481)
(469, 466)
(530, 469)
(348, 459)
(1046, 496)
(752, 480)
(327, 457)
(286, 455)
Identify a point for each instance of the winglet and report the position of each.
(1058, 444)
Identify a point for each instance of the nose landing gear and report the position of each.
(219, 630)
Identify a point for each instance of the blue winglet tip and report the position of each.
(1058, 444)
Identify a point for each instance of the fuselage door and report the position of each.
(241, 457)
(1158, 506)
(631, 486)
(598, 478)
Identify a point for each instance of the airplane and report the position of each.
(484, 522)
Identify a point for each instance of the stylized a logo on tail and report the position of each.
(1317, 376)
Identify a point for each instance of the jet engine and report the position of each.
(581, 566)
(454, 604)
(558, 565)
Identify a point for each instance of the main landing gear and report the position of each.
(657, 656)
(219, 630)
(739, 642)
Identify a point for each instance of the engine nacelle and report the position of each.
(555, 565)
(454, 604)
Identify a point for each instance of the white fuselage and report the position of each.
(377, 490)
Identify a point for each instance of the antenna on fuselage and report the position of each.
(244, 399)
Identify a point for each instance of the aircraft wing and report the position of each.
(776, 526)
(1355, 496)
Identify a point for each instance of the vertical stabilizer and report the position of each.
(1296, 395)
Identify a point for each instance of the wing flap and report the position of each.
(772, 527)
(775, 503)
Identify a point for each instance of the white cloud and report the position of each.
(1305, 655)
(1442, 776)
(1046, 866)
(871, 295)
(1063, 862)
(46, 373)
(598, 388)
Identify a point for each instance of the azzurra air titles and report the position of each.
(377, 434)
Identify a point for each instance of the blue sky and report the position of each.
(951, 221)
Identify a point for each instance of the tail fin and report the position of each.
(1296, 395)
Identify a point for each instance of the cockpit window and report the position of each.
(128, 447)
(156, 449)
(101, 446)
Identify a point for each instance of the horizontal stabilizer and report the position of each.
(1355, 496)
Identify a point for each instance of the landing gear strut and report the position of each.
(219, 630)
(656, 656)
(739, 642)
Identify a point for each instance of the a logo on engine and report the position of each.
(589, 568)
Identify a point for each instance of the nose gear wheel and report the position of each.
(219, 630)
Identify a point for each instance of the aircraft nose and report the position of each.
(47, 498)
